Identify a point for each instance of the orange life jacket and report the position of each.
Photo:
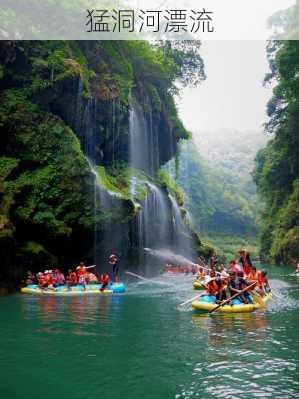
(262, 280)
(81, 270)
(43, 280)
(253, 276)
(212, 288)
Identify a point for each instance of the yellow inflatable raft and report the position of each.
(198, 284)
(203, 306)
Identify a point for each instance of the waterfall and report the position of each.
(159, 222)
(180, 232)
(95, 206)
(177, 222)
(138, 153)
(153, 219)
(152, 222)
(87, 128)
(143, 141)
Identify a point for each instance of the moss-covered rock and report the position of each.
(64, 106)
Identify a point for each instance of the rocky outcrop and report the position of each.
(66, 154)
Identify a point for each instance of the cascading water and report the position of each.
(86, 125)
(156, 208)
(181, 237)
(177, 221)
(159, 222)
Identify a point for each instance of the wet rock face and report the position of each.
(103, 127)
(66, 110)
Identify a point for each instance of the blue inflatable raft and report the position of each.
(112, 288)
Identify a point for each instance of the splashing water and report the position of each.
(167, 255)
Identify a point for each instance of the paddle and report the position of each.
(190, 300)
(89, 267)
(258, 299)
(234, 296)
(206, 268)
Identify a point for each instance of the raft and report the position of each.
(198, 284)
(113, 288)
(207, 303)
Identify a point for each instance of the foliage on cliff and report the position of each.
(277, 165)
(48, 91)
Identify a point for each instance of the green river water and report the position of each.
(140, 345)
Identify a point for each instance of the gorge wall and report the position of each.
(85, 128)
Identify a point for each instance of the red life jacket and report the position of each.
(247, 268)
(50, 279)
(104, 278)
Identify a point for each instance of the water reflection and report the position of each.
(224, 328)
(85, 315)
(241, 358)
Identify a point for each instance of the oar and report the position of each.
(258, 299)
(234, 296)
(89, 267)
(190, 300)
(206, 268)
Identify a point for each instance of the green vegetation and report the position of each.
(117, 180)
(277, 165)
(43, 182)
(220, 197)
(227, 246)
(218, 202)
(172, 187)
(49, 91)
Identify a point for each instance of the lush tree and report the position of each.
(277, 165)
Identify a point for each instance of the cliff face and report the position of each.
(85, 127)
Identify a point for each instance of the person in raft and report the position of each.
(236, 284)
(104, 280)
(31, 278)
(262, 284)
(113, 260)
(58, 277)
(213, 261)
(245, 261)
(81, 272)
(71, 279)
(235, 267)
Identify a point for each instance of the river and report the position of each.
(141, 345)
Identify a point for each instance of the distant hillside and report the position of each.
(215, 173)
(231, 150)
